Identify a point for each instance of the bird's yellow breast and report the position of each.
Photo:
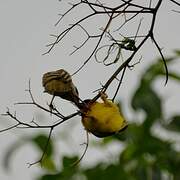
(103, 119)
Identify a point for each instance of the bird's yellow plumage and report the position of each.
(103, 118)
(100, 118)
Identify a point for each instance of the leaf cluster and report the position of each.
(145, 156)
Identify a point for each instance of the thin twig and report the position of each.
(44, 150)
(85, 150)
(119, 84)
(175, 2)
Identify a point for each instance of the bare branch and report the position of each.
(85, 150)
(44, 151)
(127, 46)
(55, 111)
(67, 12)
(119, 84)
(11, 127)
(97, 45)
(175, 2)
(163, 59)
(85, 41)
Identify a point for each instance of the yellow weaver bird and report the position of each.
(103, 118)
(59, 83)
(99, 118)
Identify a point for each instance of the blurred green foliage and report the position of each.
(40, 141)
(145, 156)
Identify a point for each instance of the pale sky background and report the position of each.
(25, 28)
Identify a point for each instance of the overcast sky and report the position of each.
(25, 28)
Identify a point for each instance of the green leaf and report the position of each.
(154, 145)
(157, 69)
(174, 76)
(144, 144)
(104, 172)
(41, 141)
(129, 153)
(140, 171)
(169, 160)
(174, 124)
(132, 133)
(69, 161)
(10, 153)
(48, 164)
(177, 52)
(50, 177)
(156, 172)
(67, 172)
(146, 99)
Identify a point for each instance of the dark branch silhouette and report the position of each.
(121, 15)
